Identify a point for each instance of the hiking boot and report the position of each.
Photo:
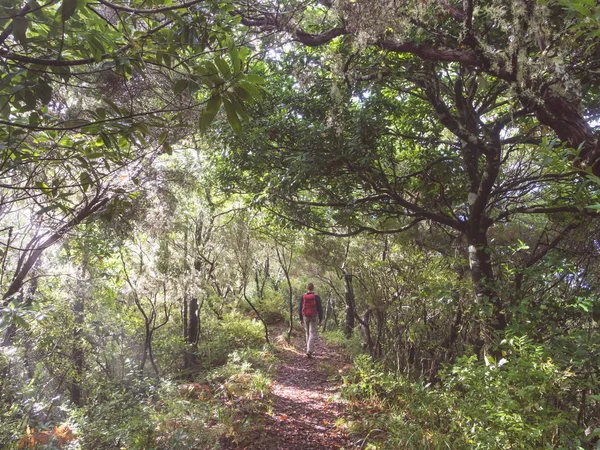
(309, 354)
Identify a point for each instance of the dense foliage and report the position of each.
(172, 174)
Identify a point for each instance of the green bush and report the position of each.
(183, 422)
(115, 417)
(510, 403)
(352, 346)
(273, 306)
(513, 403)
(10, 407)
(234, 332)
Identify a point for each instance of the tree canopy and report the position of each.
(173, 173)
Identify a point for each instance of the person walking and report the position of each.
(311, 315)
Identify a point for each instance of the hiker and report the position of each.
(311, 315)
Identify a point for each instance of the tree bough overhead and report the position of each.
(540, 50)
(369, 134)
(91, 93)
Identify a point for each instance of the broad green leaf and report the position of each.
(243, 94)
(5, 109)
(250, 88)
(67, 9)
(232, 117)
(86, 180)
(34, 118)
(207, 68)
(180, 86)
(44, 93)
(223, 66)
(256, 79)
(208, 115)
(20, 25)
(236, 62)
(29, 98)
(96, 47)
(19, 321)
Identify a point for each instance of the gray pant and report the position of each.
(311, 325)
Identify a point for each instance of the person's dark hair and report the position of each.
(310, 287)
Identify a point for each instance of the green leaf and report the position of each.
(19, 321)
(232, 117)
(96, 47)
(20, 25)
(44, 93)
(207, 68)
(43, 187)
(29, 98)
(68, 9)
(256, 79)
(163, 136)
(223, 66)
(243, 95)
(46, 209)
(86, 180)
(180, 86)
(236, 62)
(208, 115)
(251, 89)
(34, 118)
(5, 111)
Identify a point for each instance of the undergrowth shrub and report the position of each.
(10, 409)
(352, 346)
(513, 403)
(273, 306)
(233, 332)
(151, 414)
(243, 384)
(115, 417)
(184, 422)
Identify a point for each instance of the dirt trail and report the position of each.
(305, 410)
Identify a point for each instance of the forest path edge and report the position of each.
(304, 411)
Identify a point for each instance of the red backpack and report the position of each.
(309, 305)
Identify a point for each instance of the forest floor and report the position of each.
(306, 413)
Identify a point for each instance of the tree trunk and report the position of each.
(291, 306)
(259, 316)
(184, 313)
(77, 354)
(192, 334)
(350, 313)
(482, 275)
(327, 312)
(33, 251)
(26, 298)
(334, 313)
(366, 332)
(285, 266)
(571, 126)
(146, 346)
(380, 315)
(151, 355)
